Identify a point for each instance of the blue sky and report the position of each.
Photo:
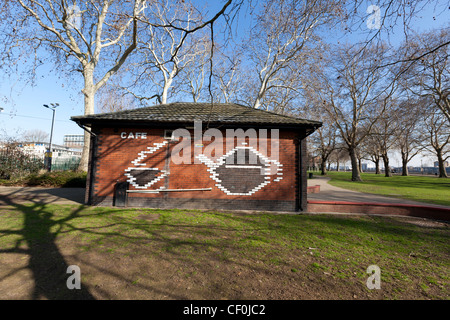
(23, 103)
(25, 111)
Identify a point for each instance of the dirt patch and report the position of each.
(137, 273)
(426, 222)
(149, 217)
(151, 271)
(138, 254)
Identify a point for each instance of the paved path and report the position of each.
(9, 195)
(327, 192)
(332, 193)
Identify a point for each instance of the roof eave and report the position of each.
(86, 121)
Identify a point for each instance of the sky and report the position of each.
(25, 111)
(23, 104)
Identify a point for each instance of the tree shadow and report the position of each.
(160, 256)
(47, 264)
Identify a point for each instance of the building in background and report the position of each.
(63, 158)
(74, 141)
(38, 149)
(436, 164)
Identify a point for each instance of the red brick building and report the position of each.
(198, 155)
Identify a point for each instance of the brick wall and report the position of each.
(144, 159)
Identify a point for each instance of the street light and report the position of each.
(49, 151)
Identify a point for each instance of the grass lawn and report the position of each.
(189, 254)
(418, 188)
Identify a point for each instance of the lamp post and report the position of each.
(49, 151)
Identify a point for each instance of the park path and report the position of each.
(41, 195)
(332, 193)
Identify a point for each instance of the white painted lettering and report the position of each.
(133, 135)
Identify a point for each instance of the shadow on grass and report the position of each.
(47, 264)
(38, 241)
(219, 238)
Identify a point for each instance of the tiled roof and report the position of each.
(227, 113)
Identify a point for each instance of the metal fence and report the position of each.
(65, 164)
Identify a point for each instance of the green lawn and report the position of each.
(190, 254)
(418, 188)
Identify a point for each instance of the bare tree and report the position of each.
(371, 150)
(35, 135)
(437, 133)
(408, 138)
(194, 76)
(111, 99)
(381, 19)
(325, 140)
(229, 75)
(339, 155)
(383, 133)
(163, 50)
(324, 143)
(350, 94)
(283, 29)
(283, 99)
(430, 75)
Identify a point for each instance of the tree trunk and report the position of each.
(404, 164)
(257, 103)
(377, 165)
(405, 169)
(323, 166)
(261, 93)
(387, 172)
(356, 175)
(164, 96)
(165, 92)
(442, 172)
(337, 165)
(89, 98)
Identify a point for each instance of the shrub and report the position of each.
(14, 163)
(64, 179)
